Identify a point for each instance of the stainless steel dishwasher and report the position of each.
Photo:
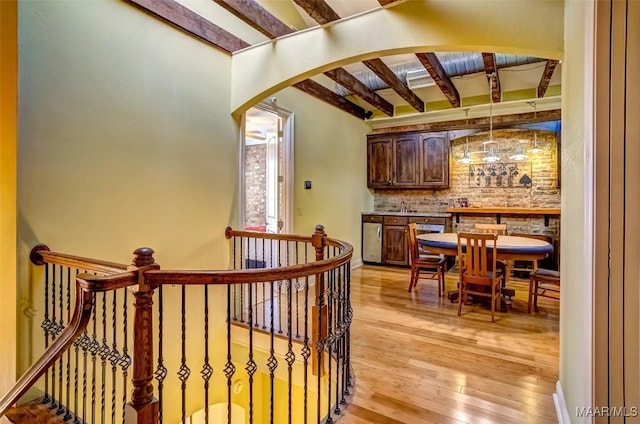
(372, 242)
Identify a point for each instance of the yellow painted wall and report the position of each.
(125, 139)
(330, 151)
(8, 142)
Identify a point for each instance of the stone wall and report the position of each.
(542, 192)
(255, 184)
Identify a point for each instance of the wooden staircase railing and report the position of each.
(307, 282)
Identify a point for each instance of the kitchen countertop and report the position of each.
(398, 213)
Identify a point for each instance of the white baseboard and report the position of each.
(356, 264)
(561, 406)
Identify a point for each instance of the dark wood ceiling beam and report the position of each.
(432, 64)
(319, 10)
(482, 123)
(259, 18)
(190, 22)
(386, 2)
(321, 92)
(490, 68)
(353, 84)
(391, 79)
(546, 77)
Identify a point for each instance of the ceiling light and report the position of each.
(419, 79)
(518, 154)
(465, 157)
(535, 149)
(491, 156)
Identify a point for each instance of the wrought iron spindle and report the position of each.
(242, 287)
(306, 350)
(184, 371)
(60, 410)
(338, 336)
(207, 370)
(251, 364)
(235, 266)
(161, 371)
(297, 290)
(272, 362)
(229, 368)
(114, 356)
(330, 341)
(54, 333)
(46, 324)
(94, 348)
(68, 415)
(103, 353)
(125, 359)
(290, 356)
(349, 319)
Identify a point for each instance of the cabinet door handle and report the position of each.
(379, 230)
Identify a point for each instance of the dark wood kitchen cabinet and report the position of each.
(394, 240)
(412, 160)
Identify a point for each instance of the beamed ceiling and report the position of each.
(380, 88)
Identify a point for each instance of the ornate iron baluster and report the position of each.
(46, 324)
(54, 332)
(207, 371)
(242, 265)
(229, 368)
(184, 371)
(272, 362)
(125, 359)
(68, 415)
(104, 354)
(93, 349)
(290, 356)
(114, 356)
(297, 290)
(306, 350)
(161, 371)
(330, 341)
(251, 364)
(59, 328)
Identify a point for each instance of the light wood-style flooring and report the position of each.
(417, 362)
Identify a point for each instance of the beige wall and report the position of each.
(577, 209)
(8, 142)
(334, 158)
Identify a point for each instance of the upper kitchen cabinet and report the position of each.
(413, 160)
(434, 154)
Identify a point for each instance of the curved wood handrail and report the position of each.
(41, 255)
(78, 323)
(246, 276)
(230, 232)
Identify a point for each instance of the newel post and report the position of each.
(143, 406)
(319, 309)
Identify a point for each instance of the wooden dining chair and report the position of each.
(543, 283)
(478, 273)
(528, 266)
(423, 263)
(501, 230)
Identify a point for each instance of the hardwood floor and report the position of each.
(417, 362)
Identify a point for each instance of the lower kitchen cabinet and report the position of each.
(394, 245)
(394, 240)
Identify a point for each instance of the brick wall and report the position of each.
(543, 192)
(255, 184)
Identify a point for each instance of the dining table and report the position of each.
(509, 248)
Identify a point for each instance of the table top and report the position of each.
(504, 244)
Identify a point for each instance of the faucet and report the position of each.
(403, 207)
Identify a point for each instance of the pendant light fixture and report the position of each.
(535, 149)
(518, 154)
(465, 157)
(490, 156)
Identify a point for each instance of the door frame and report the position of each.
(286, 145)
